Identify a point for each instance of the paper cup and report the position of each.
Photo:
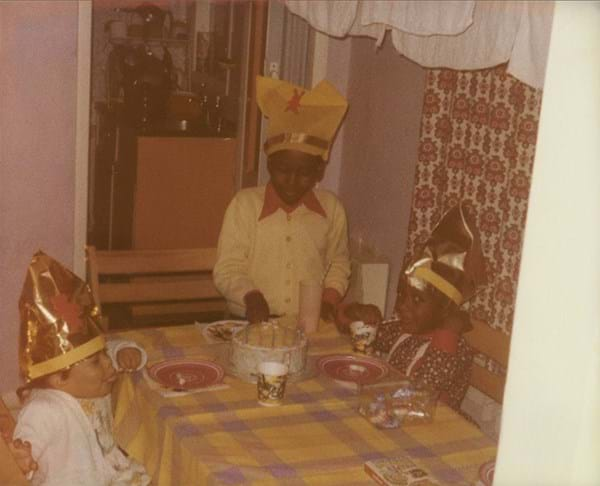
(363, 336)
(309, 300)
(270, 383)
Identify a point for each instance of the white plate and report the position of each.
(221, 331)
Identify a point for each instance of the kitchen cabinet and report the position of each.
(141, 143)
(182, 188)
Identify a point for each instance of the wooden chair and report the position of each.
(155, 282)
(493, 344)
(10, 474)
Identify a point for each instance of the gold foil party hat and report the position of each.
(300, 119)
(451, 260)
(58, 319)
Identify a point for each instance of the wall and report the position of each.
(380, 141)
(337, 61)
(551, 420)
(38, 49)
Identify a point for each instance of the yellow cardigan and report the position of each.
(274, 254)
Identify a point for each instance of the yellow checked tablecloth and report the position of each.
(315, 437)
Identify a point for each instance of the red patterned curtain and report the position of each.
(477, 144)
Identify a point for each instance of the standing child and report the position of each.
(275, 236)
(67, 417)
(425, 341)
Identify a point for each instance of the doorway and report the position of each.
(172, 118)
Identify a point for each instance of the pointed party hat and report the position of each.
(59, 324)
(451, 260)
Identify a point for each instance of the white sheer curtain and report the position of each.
(461, 35)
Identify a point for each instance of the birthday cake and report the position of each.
(267, 341)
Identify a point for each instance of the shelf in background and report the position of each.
(149, 41)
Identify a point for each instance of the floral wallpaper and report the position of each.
(477, 144)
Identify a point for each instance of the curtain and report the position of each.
(445, 34)
(477, 144)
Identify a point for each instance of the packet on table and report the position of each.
(399, 471)
(391, 404)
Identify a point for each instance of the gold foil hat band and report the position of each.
(439, 283)
(69, 358)
(296, 138)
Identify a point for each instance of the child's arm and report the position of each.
(338, 255)
(230, 273)
(21, 452)
(32, 435)
(126, 355)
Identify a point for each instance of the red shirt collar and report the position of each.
(273, 202)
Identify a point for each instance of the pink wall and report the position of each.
(38, 80)
(381, 135)
(338, 73)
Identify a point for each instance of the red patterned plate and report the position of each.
(486, 473)
(186, 374)
(356, 369)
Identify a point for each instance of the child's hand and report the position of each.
(328, 311)
(348, 313)
(129, 359)
(21, 451)
(368, 313)
(257, 309)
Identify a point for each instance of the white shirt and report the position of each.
(73, 446)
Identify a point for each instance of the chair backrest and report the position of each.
(154, 277)
(489, 368)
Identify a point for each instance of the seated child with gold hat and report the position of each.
(275, 236)
(65, 424)
(424, 340)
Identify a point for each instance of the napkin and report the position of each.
(169, 392)
(212, 339)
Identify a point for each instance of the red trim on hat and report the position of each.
(294, 102)
(68, 311)
(298, 138)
